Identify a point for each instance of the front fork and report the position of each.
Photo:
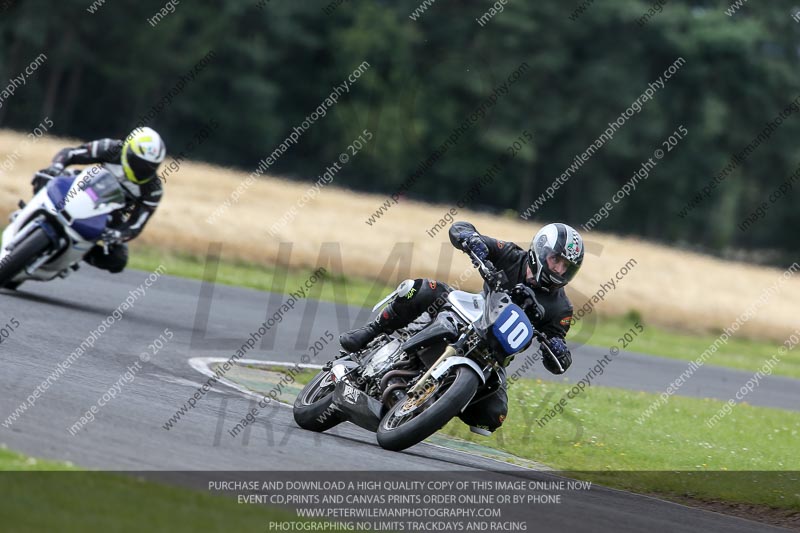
(450, 351)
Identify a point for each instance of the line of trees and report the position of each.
(275, 62)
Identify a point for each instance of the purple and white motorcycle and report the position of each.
(49, 236)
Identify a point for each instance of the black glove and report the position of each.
(472, 241)
(523, 296)
(40, 181)
(53, 170)
(555, 355)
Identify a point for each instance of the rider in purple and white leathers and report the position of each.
(134, 162)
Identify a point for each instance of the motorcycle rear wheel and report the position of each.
(313, 408)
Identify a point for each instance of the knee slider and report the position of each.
(404, 288)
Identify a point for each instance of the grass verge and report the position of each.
(51, 496)
(741, 354)
(671, 453)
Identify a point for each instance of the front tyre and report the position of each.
(24, 254)
(313, 407)
(411, 421)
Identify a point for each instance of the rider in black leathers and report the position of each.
(554, 257)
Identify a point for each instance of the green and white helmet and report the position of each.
(560, 240)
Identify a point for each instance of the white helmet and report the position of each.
(560, 240)
(142, 153)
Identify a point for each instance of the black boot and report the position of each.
(387, 321)
(355, 340)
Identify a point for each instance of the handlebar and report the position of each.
(495, 279)
(63, 172)
(488, 272)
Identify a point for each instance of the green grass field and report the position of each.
(47, 496)
(742, 354)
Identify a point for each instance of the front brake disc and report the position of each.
(413, 403)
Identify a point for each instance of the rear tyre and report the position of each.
(403, 426)
(21, 256)
(313, 408)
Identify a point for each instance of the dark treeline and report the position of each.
(275, 62)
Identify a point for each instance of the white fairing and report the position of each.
(467, 304)
(78, 205)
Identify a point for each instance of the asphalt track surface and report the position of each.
(128, 432)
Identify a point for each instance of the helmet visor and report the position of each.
(560, 268)
(142, 169)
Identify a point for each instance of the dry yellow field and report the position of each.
(669, 287)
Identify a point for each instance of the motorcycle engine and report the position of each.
(383, 359)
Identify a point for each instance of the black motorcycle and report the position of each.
(407, 385)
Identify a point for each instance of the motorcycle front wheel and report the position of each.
(413, 420)
(21, 256)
